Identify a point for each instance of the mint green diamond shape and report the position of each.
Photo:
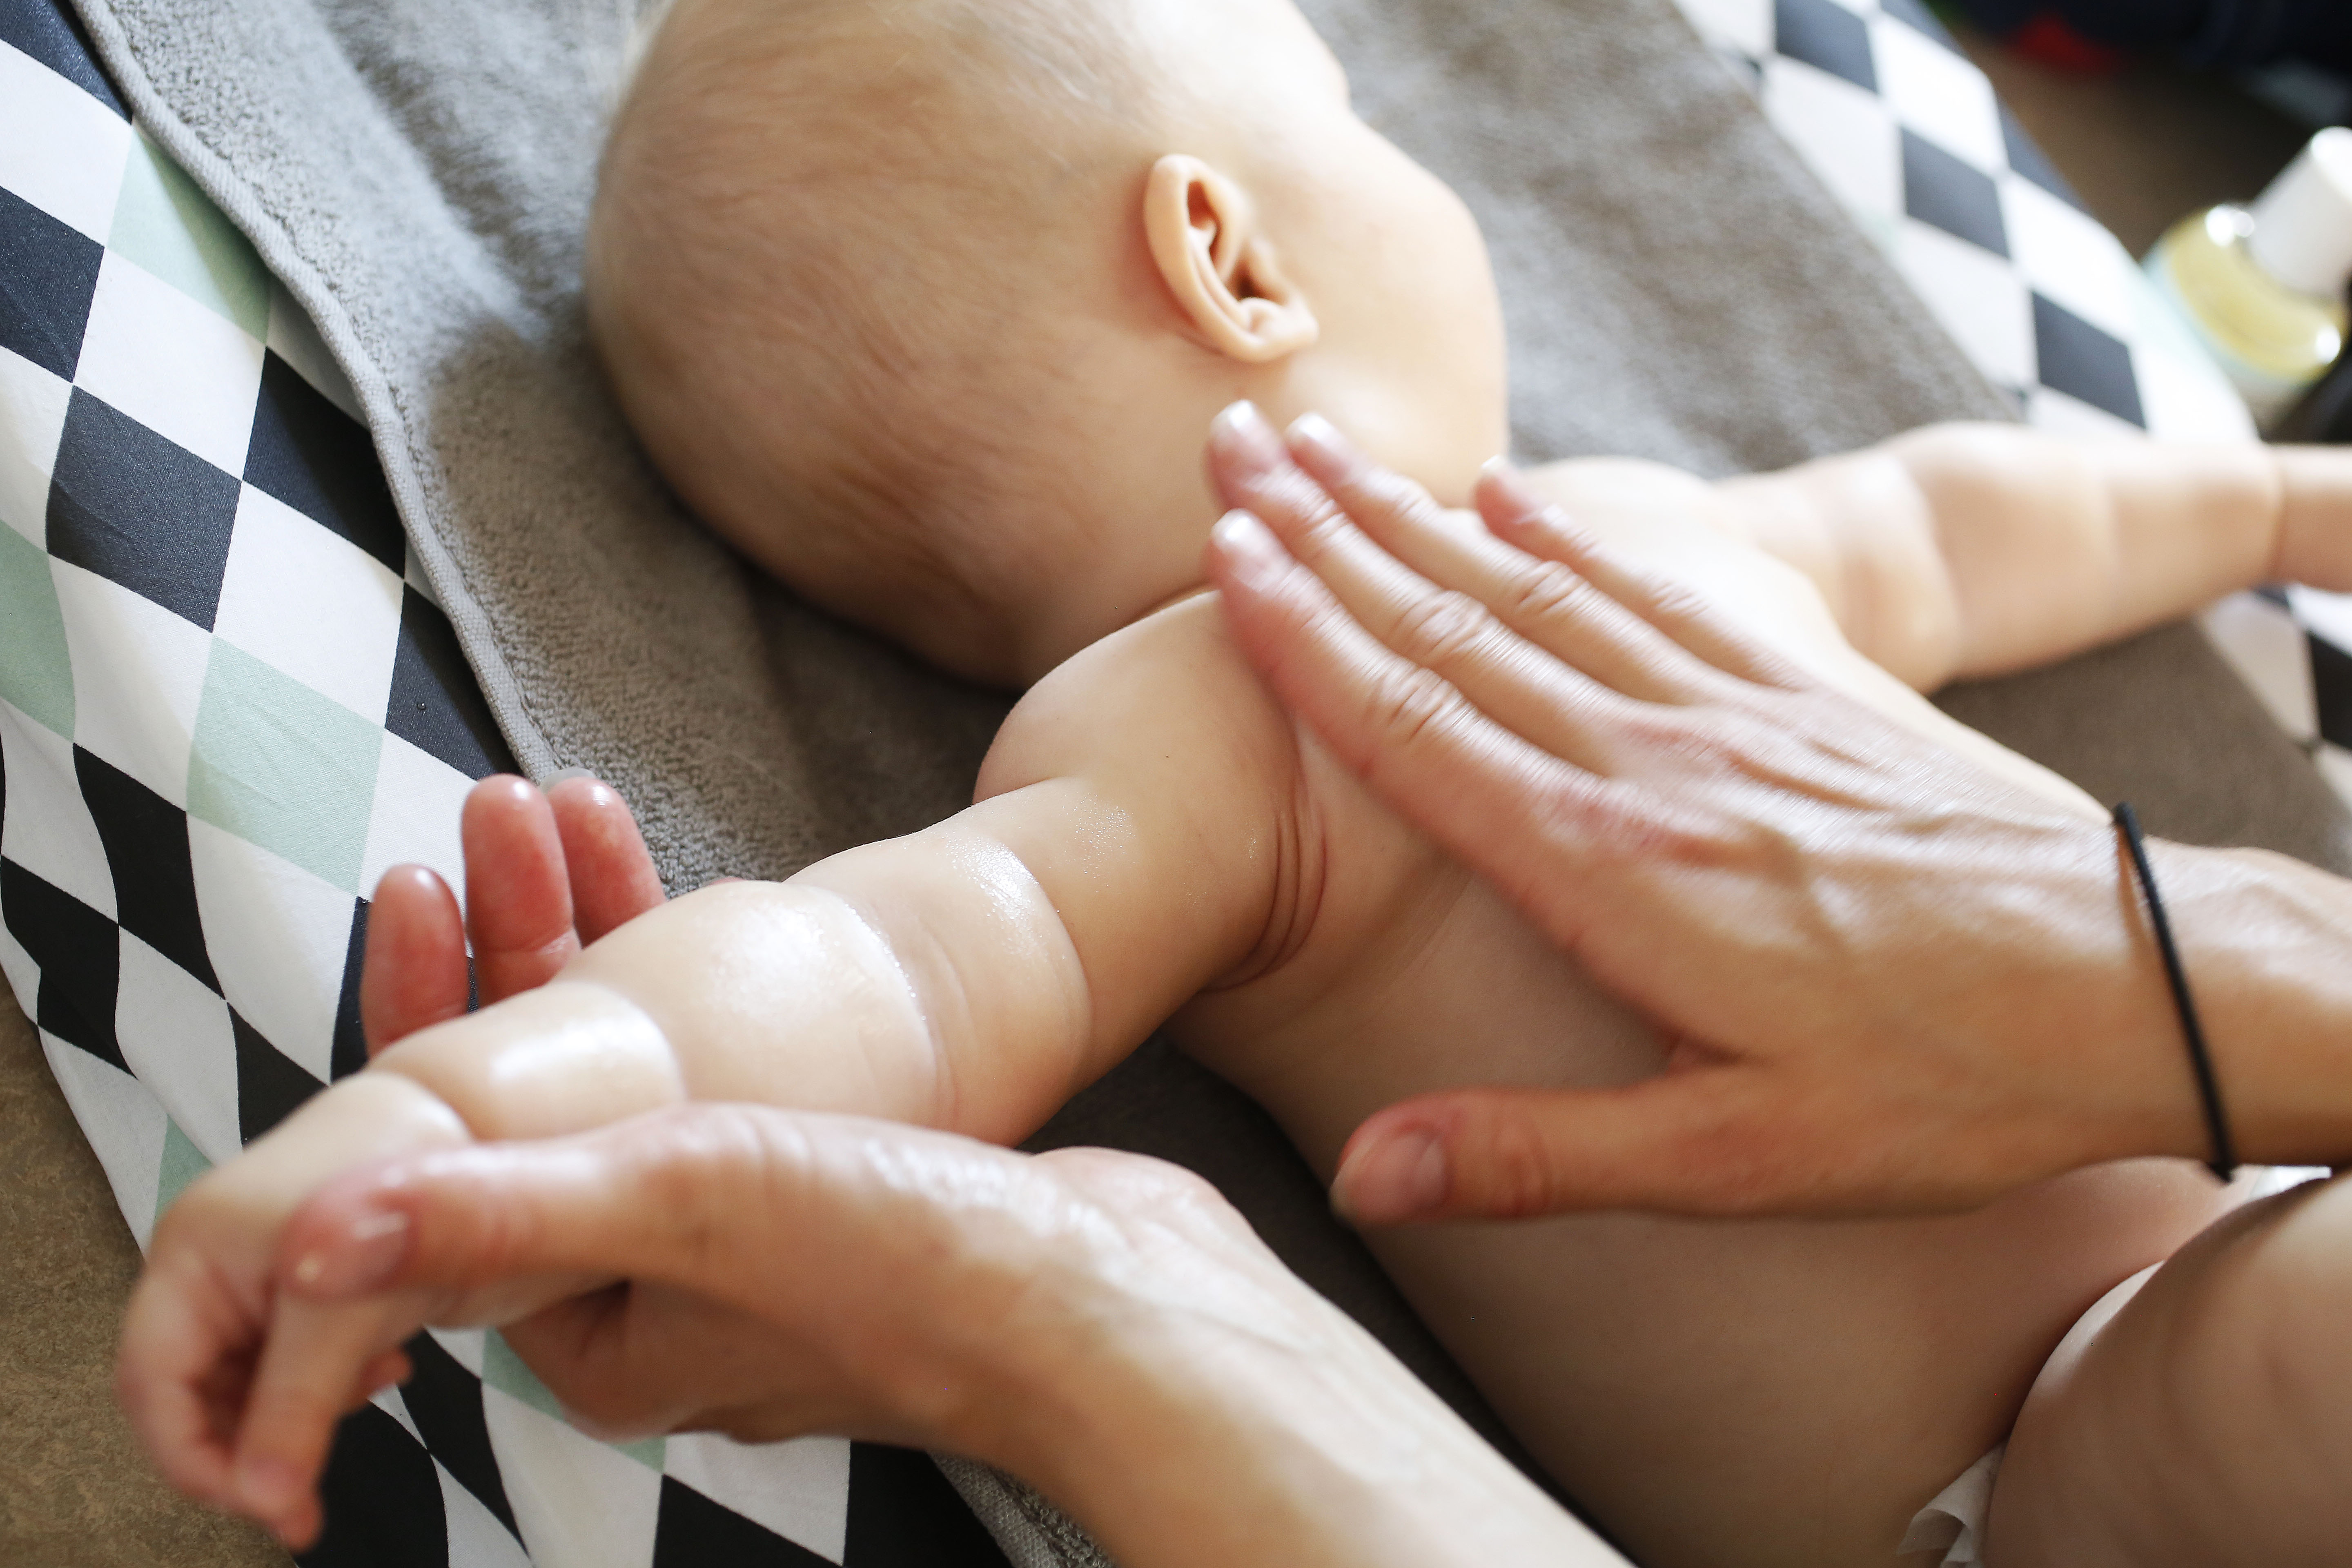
(182, 1163)
(504, 1370)
(281, 766)
(162, 222)
(35, 669)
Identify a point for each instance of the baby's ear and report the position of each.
(1202, 229)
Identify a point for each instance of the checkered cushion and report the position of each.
(1911, 140)
(227, 703)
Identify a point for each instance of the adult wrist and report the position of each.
(1278, 1431)
(2266, 942)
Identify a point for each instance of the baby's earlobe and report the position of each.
(1219, 270)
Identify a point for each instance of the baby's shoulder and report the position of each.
(1167, 720)
(1168, 700)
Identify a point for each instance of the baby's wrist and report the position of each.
(566, 1057)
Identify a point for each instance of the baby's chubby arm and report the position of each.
(967, 977)
(1961, 551)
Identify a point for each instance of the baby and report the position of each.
(921, 303)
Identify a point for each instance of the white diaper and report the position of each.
(1954, 1518)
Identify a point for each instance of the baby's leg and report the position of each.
(2209, 1421)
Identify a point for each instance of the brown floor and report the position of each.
(2144, 148)
(75, 1493)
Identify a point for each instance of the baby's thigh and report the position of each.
(1756, 1392)
(1777, 1392)
(2209, 1421)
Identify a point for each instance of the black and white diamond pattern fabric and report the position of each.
(227, 703)
(1914, 143)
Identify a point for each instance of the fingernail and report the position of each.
(1334, 453)
(1391, 1179)
(377, 1246)
(1256, 555)
(1242, 433)
(1505, 484)
(1500, 473)
(566, 775)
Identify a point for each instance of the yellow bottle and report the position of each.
(2264, 287)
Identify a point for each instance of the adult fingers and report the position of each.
(1560, 709)
(661, 1196)
(413, 974)
(314, 1358)
(1517, 515)
(518, 889)
(1518, 813)
(654, 1358)
(1541, 599)
(612, 877)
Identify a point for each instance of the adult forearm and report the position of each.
(1184, 1443)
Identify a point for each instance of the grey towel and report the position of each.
(418, 173)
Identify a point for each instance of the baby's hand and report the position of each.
(237, 1392)
(233, 1391)
(545, 875)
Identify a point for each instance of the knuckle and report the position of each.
(1395, 496)
(1309, 509)
(1517, 1175)
(1673, 601)
(1546, 593)
(1403, 707)
(697, 1170)
(1443, 628)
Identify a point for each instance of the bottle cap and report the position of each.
(2303, 224)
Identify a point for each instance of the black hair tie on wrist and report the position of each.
(2224, 1163)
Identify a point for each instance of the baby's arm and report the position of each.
(1975, 550)
(968, 977)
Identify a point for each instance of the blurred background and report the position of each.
(2155, 108)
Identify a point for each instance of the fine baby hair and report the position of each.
(924, 303)
(831, 241)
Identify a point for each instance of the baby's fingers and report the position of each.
(414, 975)
(518, 888)
(612, 877)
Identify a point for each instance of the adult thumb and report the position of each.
(644, 1197)
(1692, 1143)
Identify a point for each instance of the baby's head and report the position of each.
(926, 304)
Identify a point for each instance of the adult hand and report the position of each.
(1889, 979)
(1100, 1323)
